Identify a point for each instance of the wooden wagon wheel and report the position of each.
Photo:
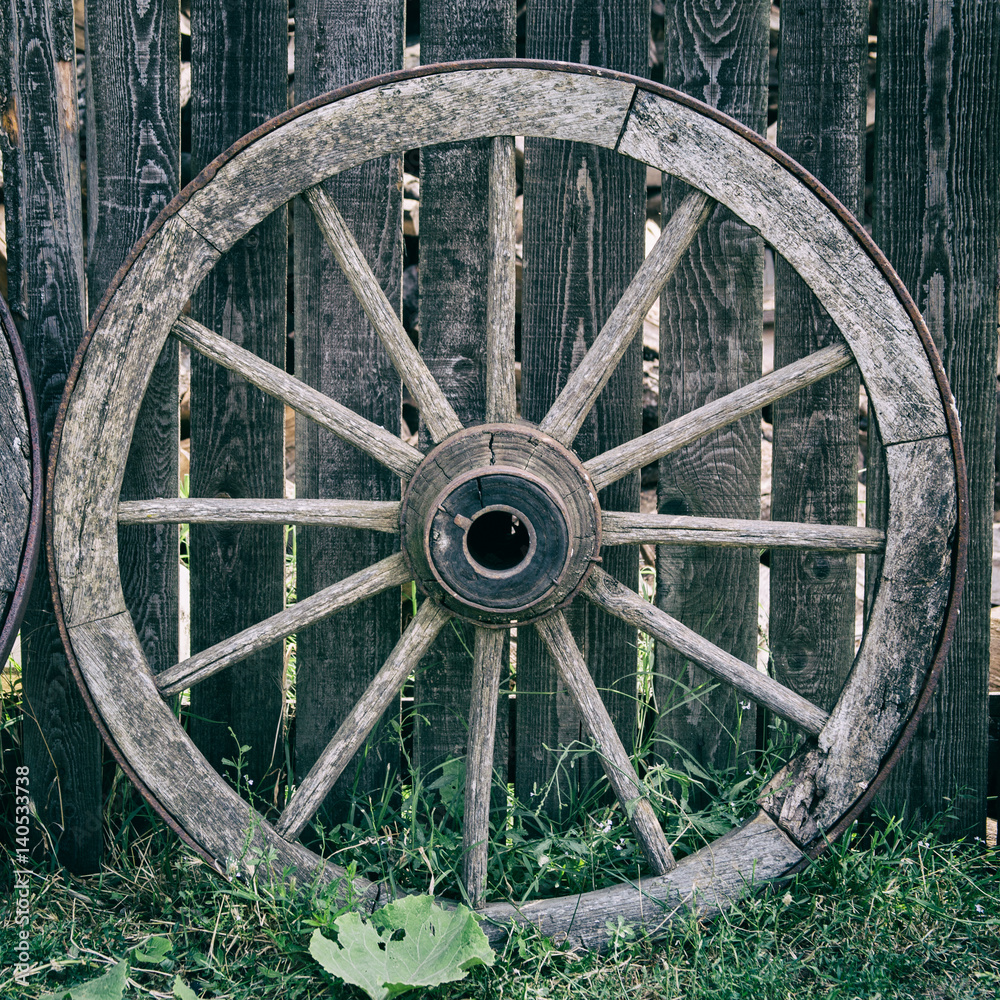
(20, 483)
(483, 483)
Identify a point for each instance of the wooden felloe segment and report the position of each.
(133, 170)
(710, 345)
(15, 484)
(456, 273)
(826, 255)
(374, 515)
(359, 722)
(399, 116)
(904, 622)
(677, 529)
(584, 240)
(618, 768)
(937, 134)
(146, 300)
(338, 352)
(823, 85)
(39, 137)
(607, 593)
(704, 883)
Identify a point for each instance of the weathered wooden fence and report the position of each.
(151, 96)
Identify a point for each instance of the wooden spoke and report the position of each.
(390, 572)
(501, 393)
(620, 461)
(479, 760)
(573, 670)
(372, 439)
(374, 515)
(353, 731)
(622, 528)
(606, 592)
(435, 411)
(571, 407)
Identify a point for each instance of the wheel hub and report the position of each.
(501, 524)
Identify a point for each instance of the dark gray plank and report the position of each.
(40, 141)
(710, 343)
(584, 232)
(133, 170)
(822, 97)
(937, 217)
(338, 352)
(238, 80)
(454, 240)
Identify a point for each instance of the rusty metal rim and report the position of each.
(32, 540)
(961, 542)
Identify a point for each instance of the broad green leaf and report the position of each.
(412, 942)
(155, 950)
(182, 991)
(110, 986)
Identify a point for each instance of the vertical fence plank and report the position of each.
(337, 351)
(710, 343)
(822, 99)
(937, 216)
(133, 170)
(238, 80)
(46, 292)
(584, 233)
(454, 201)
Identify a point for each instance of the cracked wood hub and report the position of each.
(501, 524)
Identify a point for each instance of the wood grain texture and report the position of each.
(717, 414)
(400, 116)
(374, 439)
(15, 460)
(584, 240)
(216, 817)
(133, 170)
(677, 529)
(710, 345)
(618, 768)
(435, 410)
(339, 353)
(238, 80)
(454, 284)
(744, 677)
(41, 166)
(373, 515)
(822, 102)
(362, 718)
(487, 670)
(501, 391)
(824, 253)
(936, 136)
(704, 883)
(368, 582)
(891, 665)
(568, 412)
(101, 415)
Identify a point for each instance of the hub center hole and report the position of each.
(498, 540)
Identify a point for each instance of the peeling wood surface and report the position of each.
(15, 483)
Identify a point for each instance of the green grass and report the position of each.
(899, 915)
